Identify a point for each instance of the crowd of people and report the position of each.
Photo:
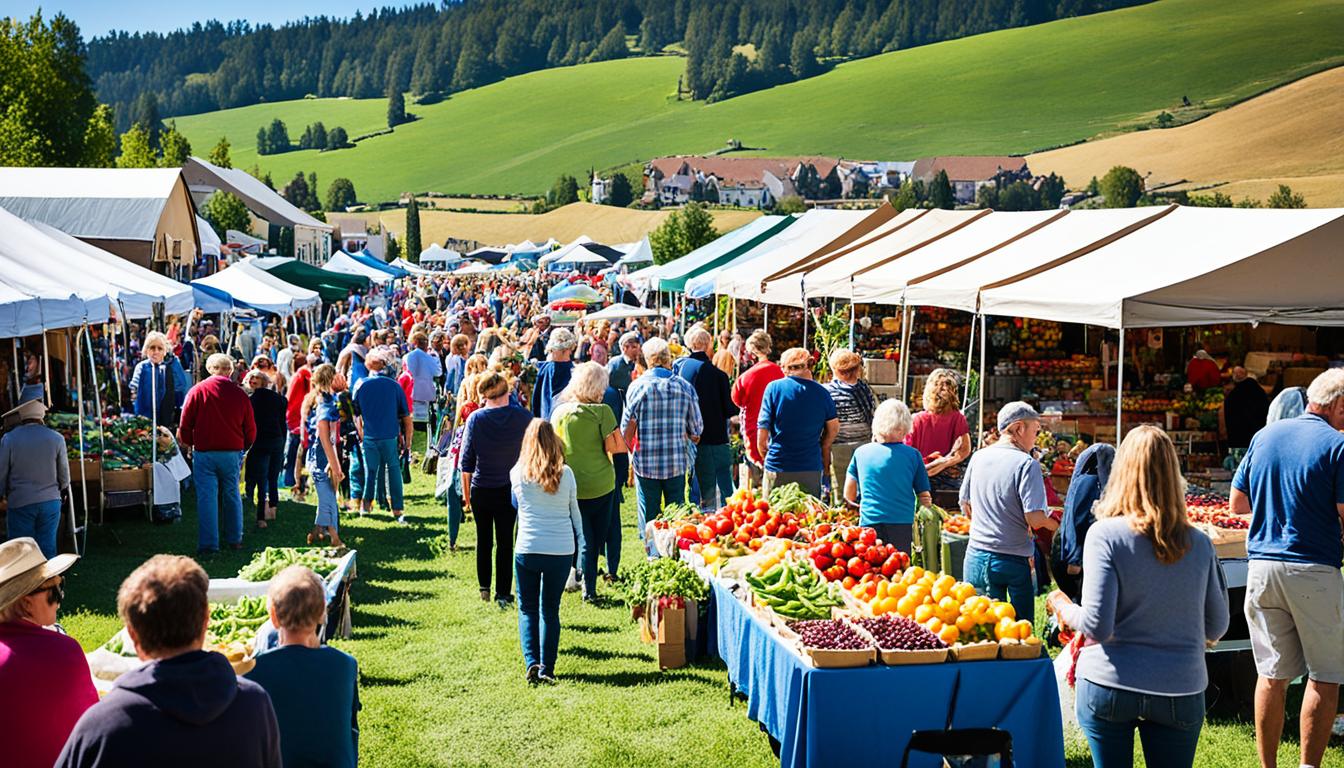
(536, 431)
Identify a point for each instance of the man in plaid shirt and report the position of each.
(662, 413)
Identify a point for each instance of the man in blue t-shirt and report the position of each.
(796, 426)
(384, 420)
(1291, 482)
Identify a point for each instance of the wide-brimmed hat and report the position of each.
(32, 408)
(23, 568)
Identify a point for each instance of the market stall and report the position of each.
(368, 259)
(331, 286)
(346, 264)
(246, 286)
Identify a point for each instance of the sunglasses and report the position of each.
(55, 593)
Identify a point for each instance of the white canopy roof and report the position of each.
(91, 269)
(247, 285)
(474, 268)
(958, 287)
(1193, 266)
(210, 242)
(259, 198)
(648, 279)
(814, 229)
(436, 253)
(621, 312)
(638, 253)
(33, 300)
(900, 250)
(581, 255)
(414, 269)
(346, 264)
(564, 251)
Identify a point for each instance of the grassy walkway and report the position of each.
(442, 677)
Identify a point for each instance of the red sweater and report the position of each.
(44, 687)
(217, 416)
(748, 392)
(298, 390)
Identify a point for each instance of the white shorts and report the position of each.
(1295, 612)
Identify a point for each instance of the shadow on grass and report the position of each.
(594, 654)
(592, 629)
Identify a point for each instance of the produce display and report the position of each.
(233, 627)
(746, 520)
(1204, 506)
(854, 552)
(663, 577)
(124, 442)
(959, 524)
(829, 634)
(272, 560)
(794, 590)
(897, 633)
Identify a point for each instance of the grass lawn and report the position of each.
(1013, 91)
(442, 677)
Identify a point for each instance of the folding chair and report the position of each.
(962, 747)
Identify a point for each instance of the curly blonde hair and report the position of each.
(940, 392)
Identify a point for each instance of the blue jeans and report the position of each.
(1168, 725)
(382, 455)
(292, 444)
(1002, 577)
(714, 469)
(216, 475)
(328, 511)
(621, 463)
(651, 495)
(541, 584)
(39, 521)
(596, 516)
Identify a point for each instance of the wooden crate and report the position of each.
(880, 371)
(127, 479)
(92, 471)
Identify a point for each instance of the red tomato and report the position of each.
(848, 583)
(867, 535)
(857, 567)
(723, 525)
(860, 548)
(687, 531)
(891, 566)
(851, 535)
(839, 550)
(822, 562)
(873, 556)
(742, 537)
(761, 506)
(823, 529)
(790, 530)
(770, 529)
(835, 572)
(705, 532)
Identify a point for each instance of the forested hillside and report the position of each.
(732, 46)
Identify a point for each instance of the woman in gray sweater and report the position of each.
(1154, 598)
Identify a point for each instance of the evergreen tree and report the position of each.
(312, 203)
(1052, 191)
(136, 151)
(176, 148)
(1122, 186)
(396, 105)
(341, 194)
(296, 191)
(394, 248)
(336, 138)
(987, 197)
(219, 155)
(619, 193)
(277, 137)
(1019, 196)
(145, 114)
(803, 57)
(319, 138)
(225, 211)
(612, 45)
(682, 232)
(564, 191)
(940, 192)
(263, 142)
(413, 231)
(100, 140)
(906, 197)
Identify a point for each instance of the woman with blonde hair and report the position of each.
(546, 493)
(589, 433)
(161, 396)
(321, 420)
(940, 432)
(1142, 665)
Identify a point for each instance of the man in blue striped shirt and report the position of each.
(662, 412)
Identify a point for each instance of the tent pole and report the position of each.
(905, 331)
(83, 473)
(806, 312)
(980, 415)
(716, 318)
(46, 367)
(18, 374)
(853, 313)
(1120, 385)
(970, 353)
(765, 320)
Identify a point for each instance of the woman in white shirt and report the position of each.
(548, 523)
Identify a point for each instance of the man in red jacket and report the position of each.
(217, 425)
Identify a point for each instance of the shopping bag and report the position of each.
(1064, 665)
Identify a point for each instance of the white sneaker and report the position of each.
(575, 582)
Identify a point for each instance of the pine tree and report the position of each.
(413, 230)
(312, 203)
(619, 192)
(341, 194)
(176, 148)
(940, 192)
(337, 139)
(100, 140)
(396, 105)
(136, 151)
(263, 142)
(219, 155)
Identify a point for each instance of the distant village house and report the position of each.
(968, 173)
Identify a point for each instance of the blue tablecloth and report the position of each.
(848, 717)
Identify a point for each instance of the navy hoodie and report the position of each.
(188, 710)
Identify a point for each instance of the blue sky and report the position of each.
(97, 17)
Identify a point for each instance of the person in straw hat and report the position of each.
(45, 683)
(34, 473)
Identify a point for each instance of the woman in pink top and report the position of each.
(45, 684)
(940, 432)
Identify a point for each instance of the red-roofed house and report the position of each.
(753, 182)
(968, 173)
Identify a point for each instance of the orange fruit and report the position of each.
(949, 634)
(965, 624)
(946, 581)
(1004, 609)
(898, 589)
(940, 591)
(913, 574)
(963, 591)
(906, 606)
(882, 589)
(1022, 629)
(918, 592)
(923, 613)
(934, 625)
(1005, 628)
(888, 604)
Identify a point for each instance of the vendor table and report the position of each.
(847, 717)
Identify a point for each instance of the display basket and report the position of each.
(898, 658)
(92, 469)
(1020, 651)
(829, 658)
(120, 480)
(984, 651)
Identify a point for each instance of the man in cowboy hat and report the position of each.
(44, 680)
(34, 473)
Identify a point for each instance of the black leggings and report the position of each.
(494, 515)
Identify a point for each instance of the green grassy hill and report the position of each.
(1005, 92)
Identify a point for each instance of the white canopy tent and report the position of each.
(1193, 266)
(637, 253)
(474, 268)
(621, 312)
(875, 225)
(437, 254)
(414, 269)
(249, 286)
(210, 243)
(346, 264)
(564, 251)
(902, 249)
(245, 242)
(741, 278)
(134, 289)
(579, 255)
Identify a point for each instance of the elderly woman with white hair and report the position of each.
(553, 373)
(886, 477)
(588, 432)
(159, 384)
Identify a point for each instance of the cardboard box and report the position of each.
(672, 638)
(880, 371)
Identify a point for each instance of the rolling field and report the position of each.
(1013, 91)
(1292, 135)
(602, 223)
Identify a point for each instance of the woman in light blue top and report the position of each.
(890, 475)
(548, 523)
(1153, 598)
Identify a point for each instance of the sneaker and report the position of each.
(546, 678)
(485, 595)
(575, 581)
(401, 520)
(534, 674)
